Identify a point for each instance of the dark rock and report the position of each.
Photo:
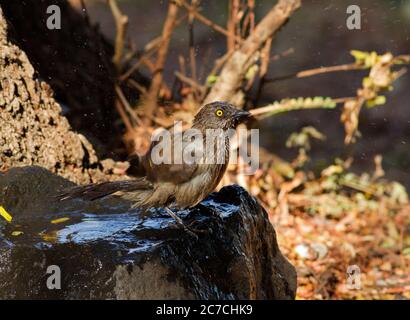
(108, 251)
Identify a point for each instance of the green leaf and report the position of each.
(211, 79)
(378, 101)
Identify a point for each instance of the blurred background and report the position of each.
(315, 36)
(333, 205)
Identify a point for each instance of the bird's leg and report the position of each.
(180, 222)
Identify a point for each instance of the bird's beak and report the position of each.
(242, 116)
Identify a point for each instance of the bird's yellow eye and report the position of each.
(219, 113)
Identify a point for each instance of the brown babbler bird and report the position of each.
(173, 185)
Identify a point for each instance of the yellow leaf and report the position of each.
(17, 233)
(359, 55)
(59, 220)
(5, 214)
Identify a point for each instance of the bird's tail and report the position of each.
(99, 190)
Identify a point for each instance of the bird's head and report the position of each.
(219, 115)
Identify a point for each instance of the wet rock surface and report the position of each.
(105, 250)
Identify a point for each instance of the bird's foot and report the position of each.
(189, 230)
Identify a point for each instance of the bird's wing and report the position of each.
(172, 166)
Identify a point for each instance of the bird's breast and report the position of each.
(195, 190)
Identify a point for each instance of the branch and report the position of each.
(298, 104)
(231, 26)
(190, 82)
(381, 78)
(250, 18)
(124, 102)
(232, 74)
(321, 70)
(151, 98)
(192, 58)
(123, 115)
(142, 60)
(121, 22)
(220, 62)
(402, 59)
(204, 20)
(149, 49)
(265, 59)
(136, 85)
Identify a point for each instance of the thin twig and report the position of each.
(127, 105)
(137, 86)
(285, 107)
(142, 60)
(402, 59)
(149, 49)
(161, 122)
(121, 22)
(316, 71)
(131, 53)
(205, 20)
(220, 62)
(182, 67)
(249, 19)
(123, 115)
(231, 25)
(282, 54)
(169, 24)
(343, 67)
(190, 81)
(343, 100)
(191, 19)
(264, 78)
(251, 5)
(399, 73)
(232, 74)
(265, 59)
(192, 58)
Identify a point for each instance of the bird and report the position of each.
(174, 185)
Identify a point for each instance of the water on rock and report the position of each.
(107, 250)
